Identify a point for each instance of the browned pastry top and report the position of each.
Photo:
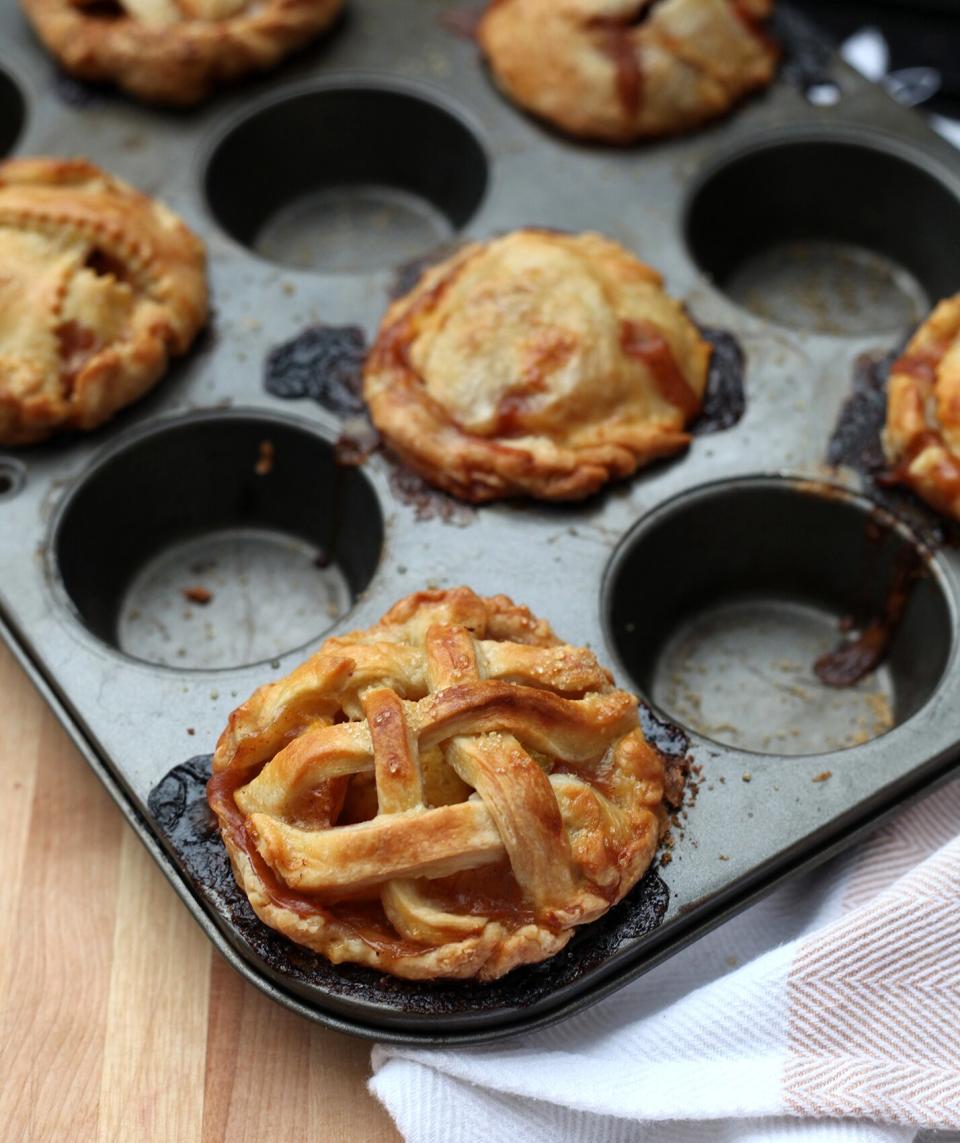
(922, 434)
(620, 70)
(446, 794)
(174, 51)
(540, 363)
(99, 286)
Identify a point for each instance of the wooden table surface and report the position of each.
(118, 1020)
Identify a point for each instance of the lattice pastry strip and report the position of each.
(562, 809)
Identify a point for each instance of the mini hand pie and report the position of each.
(540, 363)
(446, 794)
(922, 434)
(174, 51)
(621, 70)
(99, 287)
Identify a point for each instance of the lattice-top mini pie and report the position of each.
(446, 794)
(922, 435)
(175, 51)
(540, 363)
(621, 70)
(99, 286)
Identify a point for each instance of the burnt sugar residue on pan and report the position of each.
(179, 807)
(324, 363)
(683, 776)
(427, 502)
(856, 442)
(407, 274)
(75, 92)
(725, 398)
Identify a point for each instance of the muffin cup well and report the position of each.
(217, 540)
(827, 232)
(720, 602)
(345, 179)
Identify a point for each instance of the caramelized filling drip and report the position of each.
(642, 340)
(76, 344)
(625, 54)
(853, 659)
(754, 24)
(220, 792)
(489, 891)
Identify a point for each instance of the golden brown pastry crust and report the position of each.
(345, 792)
(99, 287)
(175, 51)
(621, 70)
(922, 434)
(539, 363)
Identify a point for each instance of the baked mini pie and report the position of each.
(174, 51)
(99, 287)
(621, 70)
(540, 363)
(922, 434)
(446, 794)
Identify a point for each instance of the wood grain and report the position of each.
(118, 1020)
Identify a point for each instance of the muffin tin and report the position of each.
(817, 223)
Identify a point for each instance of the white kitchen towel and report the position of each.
(828, 1011)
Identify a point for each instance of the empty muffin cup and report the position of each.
(346, 179)
(216, 540)
(725, 605)
(837, 235)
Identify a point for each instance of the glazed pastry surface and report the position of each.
(540, 364)
(446, 794)
(621, 70)
(99, 287)
(174, 51)
(922, 434)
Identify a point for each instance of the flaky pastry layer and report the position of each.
(621, 70)
(922, 434)
(99, 286)
(540, 363)
(446, 794)
(175, 51)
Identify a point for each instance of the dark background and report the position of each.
(919, 33)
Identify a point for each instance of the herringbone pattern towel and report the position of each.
(829, 1011)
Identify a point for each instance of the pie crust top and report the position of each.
(99, 287)
(539, 363)
(922, 434)
(446, 794)
(620, 70)
(174, 51)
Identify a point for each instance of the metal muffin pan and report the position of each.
(310, 186)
